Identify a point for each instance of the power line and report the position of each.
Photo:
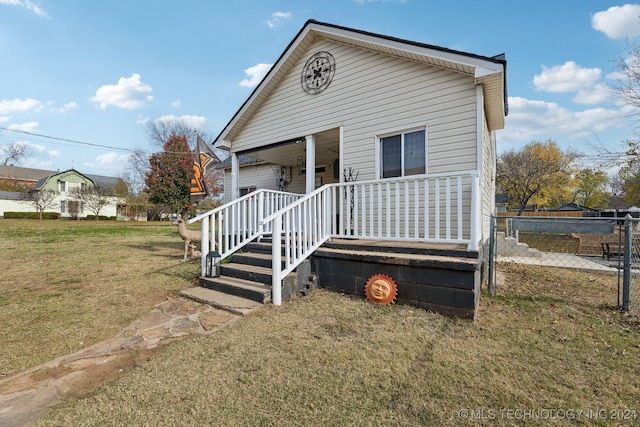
(67, 140)
(88, 144)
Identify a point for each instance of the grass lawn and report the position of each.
(549, 348)
(65, 285)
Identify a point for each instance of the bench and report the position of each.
(596, 244)
(612, 249)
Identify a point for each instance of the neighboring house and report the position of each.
(575, 207)
(22, 177)
(404, 133)
(66, 183)
(502, 202)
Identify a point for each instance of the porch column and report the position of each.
(311, 164)
(235, 177)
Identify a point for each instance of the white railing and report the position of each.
(300, 228)
(233, 225)
(439, 208)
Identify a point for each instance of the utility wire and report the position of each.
(89, 144)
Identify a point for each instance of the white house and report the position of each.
(66, 184)
(389, 139)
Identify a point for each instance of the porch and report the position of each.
(423, 231)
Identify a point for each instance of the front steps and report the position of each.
(248, 275)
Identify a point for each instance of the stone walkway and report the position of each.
(27, 396)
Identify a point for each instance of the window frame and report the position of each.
(379, 152)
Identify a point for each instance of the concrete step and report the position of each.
(247, 289)
(231, 303)
(254, 258)
(253, 273)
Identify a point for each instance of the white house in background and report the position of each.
(389, 139)
(66, 184)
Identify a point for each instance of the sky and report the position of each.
(80, 79)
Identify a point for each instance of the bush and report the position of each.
(31, 215)
(101, 217)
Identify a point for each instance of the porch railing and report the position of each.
(438, 208)
(231, 226)
(441, 208)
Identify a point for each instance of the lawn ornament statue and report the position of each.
(190, 238)
(381, 289)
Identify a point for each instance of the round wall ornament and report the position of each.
(318, 72)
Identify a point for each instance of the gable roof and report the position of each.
(23, 174)
(44, 180)
(40, 176)
(488, 71)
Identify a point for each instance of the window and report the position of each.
(62, 206)
(61, 186)
(246, 190)
(404, 154)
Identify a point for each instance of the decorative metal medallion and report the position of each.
(318, 73)
(381, 289)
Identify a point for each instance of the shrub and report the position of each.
(31, 215)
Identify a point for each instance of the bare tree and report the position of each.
(93, 199)
(12, 153)
(159, 131)
(136, 171)
(41, 199)
(628, 82)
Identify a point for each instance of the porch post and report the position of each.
(476, 213)
(235, 177)
(311, 164)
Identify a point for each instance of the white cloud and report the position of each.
(176, 103)
(529, 119)
(19, 106)
(568, 77)
(196, 122)
(594, 95)
(28, 5)
(111, 158)
(25, 127)
(277, 18)
(66, 107)
(129, 93)
(618, 22)
(255, 74)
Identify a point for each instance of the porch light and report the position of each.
(213, 264)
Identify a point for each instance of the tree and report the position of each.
(590, 190)
(536, 174)
(93, 199)
(41, 199)
(169, 177)
(12, 153)
(628, 81)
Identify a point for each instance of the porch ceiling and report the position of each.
(327, 150)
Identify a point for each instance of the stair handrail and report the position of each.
(231, 226)
(302, 226)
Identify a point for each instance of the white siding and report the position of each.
(373, 94)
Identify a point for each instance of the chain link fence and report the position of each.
(599, 246)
